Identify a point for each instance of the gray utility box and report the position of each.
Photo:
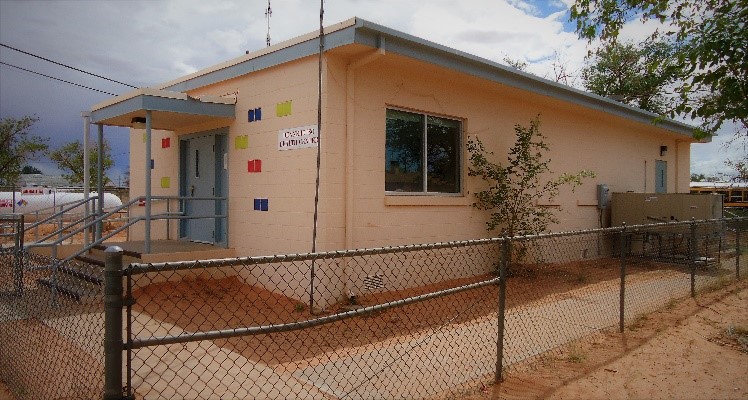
(650, 208)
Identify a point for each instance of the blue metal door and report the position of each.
(660, 176)
(199, 181)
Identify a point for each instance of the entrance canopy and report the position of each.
(163, 110)
(173, 111)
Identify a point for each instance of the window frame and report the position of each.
(424, 147)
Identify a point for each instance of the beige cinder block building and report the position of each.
(397, 112)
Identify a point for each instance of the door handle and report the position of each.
(192, 191)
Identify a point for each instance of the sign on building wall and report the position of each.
(298, 138)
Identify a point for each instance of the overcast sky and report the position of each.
(143, 43)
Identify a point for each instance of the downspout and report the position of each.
(349, 141)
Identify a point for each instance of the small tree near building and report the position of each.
(515, 189)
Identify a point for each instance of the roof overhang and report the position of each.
(361, 32)
(371, 34)
(172, 111)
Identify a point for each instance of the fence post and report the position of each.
(505, 244)
(113, 344)
(737, 251)
(60, 223)
(622, 296)
(692, 255)
(55, 265)
(18, 256)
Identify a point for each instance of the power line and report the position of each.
(68, 66)
(57, 79)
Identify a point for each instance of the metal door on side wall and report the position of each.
(660, 176)
(202, 176)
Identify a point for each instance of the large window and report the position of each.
(422, 153)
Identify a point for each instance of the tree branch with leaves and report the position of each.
(638, 75)
(516, 190)
(69, 158)
(710, 56)
(17, 147)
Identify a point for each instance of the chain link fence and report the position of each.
(421, 321)
(50, 341)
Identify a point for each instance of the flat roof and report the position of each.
(363, 32)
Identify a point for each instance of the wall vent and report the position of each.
(374, 282)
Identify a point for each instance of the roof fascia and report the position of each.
(368, 33)
(160, 103)
(297, 51)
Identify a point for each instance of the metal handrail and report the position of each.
(102, 239)
(75, 231)
(62, 211)
(130, 222)
(54, 207)
(166, 216)
(59, 231)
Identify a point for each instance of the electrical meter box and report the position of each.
(603, 195)
(651, 208)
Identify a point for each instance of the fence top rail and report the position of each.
(142, 268)
(628, 228)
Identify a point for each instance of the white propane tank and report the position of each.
(32, 199)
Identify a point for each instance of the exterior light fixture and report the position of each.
(138, 122)
(663, 151)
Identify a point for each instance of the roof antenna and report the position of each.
(268, 14)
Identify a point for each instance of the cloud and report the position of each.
(147, 42)
(709, 158)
